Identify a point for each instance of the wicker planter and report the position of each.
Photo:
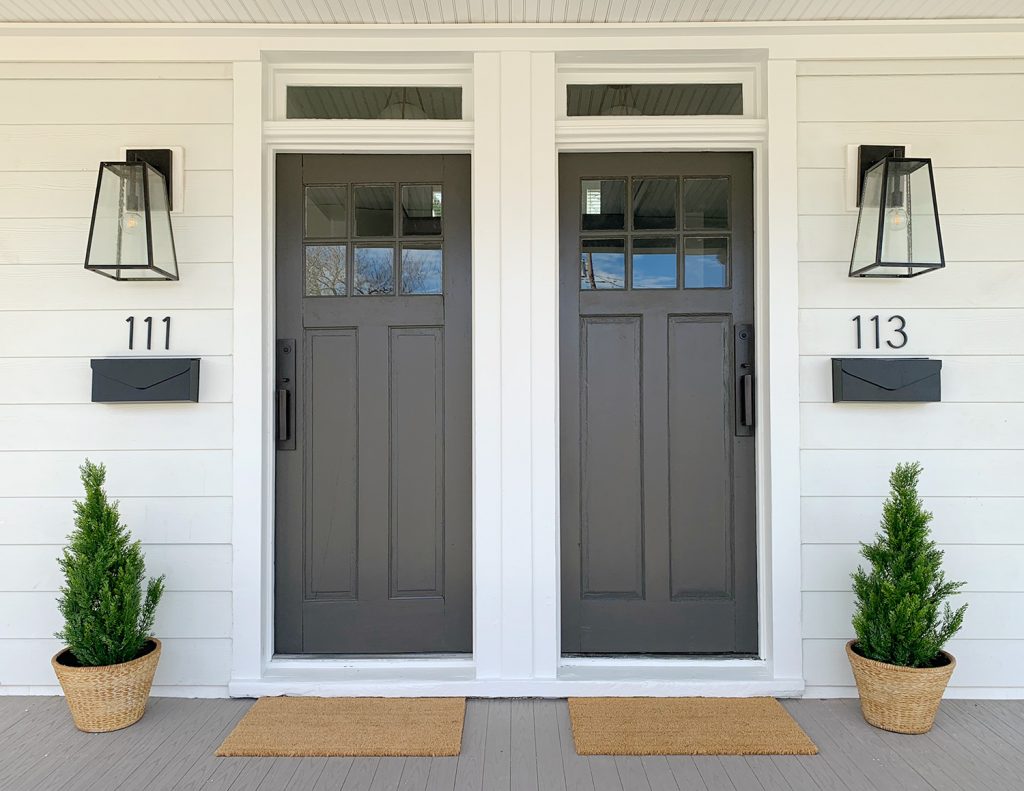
(900, 699)
(110, 697)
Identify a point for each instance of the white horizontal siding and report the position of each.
(827, 614)
(104, 333)
(968, 116)
(65, 147)
(181, 614)
(169, 464)
(183, 662)
(183, 519)
(197, 240)
(70, 193)
(198, 567)
(958, 520)
(984, 567)
(980, 663)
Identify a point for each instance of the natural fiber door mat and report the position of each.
(685, 726)
(301, 726)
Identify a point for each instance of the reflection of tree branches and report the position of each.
(325, 271)
(374, 270)
(421, 271)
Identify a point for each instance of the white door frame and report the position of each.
(515, 389)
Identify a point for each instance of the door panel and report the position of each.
(373, 463)
(658, 529)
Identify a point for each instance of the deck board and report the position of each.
(520, 745)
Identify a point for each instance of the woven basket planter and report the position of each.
(110, 697)
(899, 699)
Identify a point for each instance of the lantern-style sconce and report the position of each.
(898, 231)
(130, 237)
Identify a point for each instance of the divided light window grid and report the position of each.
(635, 231)
(373, 240)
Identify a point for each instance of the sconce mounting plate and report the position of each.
(868, 156)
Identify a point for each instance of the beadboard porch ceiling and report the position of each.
(509, 11)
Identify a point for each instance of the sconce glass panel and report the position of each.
(898, 233)
(130, 237)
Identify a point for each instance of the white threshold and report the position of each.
(456, 676)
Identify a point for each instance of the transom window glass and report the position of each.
(655, 99)
(647, 254)
(353, 247)
(373, 102)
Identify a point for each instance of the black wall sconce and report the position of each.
(130, 237)
(898, 232)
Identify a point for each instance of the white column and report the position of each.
(515, 354)
(783, 556)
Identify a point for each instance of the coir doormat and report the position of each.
(302, 726)
(686, 726)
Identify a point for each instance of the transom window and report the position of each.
(373, 239)
(373, 102)
(634, 232)
(654, 99)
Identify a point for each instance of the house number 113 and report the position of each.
(900, 331)
(148, 321)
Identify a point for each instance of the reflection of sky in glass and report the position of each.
(421, 271)
(654, 270)
(602, 270)
(374, 270)
(705, 270)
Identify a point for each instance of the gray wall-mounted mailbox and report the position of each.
(906, 379)
(135, 379)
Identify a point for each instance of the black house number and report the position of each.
(898, 331)
(148, 321)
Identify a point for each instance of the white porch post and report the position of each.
(515, 355)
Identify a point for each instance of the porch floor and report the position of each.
(508, 744)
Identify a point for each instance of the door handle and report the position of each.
(747, 385)
(743, 380)
(283, 429)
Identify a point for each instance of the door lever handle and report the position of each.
(283, 429)
(747, 385)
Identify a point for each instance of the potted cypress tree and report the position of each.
(903, 617)
(107, 668)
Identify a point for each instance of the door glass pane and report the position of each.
(654, 204)
(654, 263)
(374, 209)
(706, 203)
(421, 269)
(706, 262)
(603, 205)
(421, 210)
(374, 270)
(327, 211)
(602, 263)
(325, 270)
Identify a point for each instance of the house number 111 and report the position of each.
(148, 321)
(900, 330)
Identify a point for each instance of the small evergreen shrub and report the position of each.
(106, 618)
(902, 615)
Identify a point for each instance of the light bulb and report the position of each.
(898, 219)
(131, 221)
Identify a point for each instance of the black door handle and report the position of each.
(747, 385)
(283, 429)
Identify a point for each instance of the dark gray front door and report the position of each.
(373, 398)
(658, 552)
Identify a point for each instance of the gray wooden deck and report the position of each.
(517, 744)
